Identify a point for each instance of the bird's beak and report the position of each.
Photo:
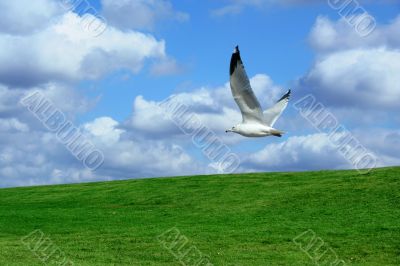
(228, 130)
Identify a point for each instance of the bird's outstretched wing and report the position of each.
(242, 92)
(273, 113)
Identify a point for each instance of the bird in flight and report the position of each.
(255, 122)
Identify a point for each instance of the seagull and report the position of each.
(255, 122)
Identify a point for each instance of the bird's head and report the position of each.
(233, 129)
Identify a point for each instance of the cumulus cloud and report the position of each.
(318, 151)
(126, 156)
(13, 125)
(140, 14)
(24, 16)
(234, 7)
(384, 142)
(138, 150)
(356, 79)
(215, 108)
(65, 52)
(28, 152)
(47, 55)
(8, 100)
(359, 75)
(131, 148)
(328, 36)
(37, 156)
(356, 76)
(11, 107)
(362, 78)
(296, 154)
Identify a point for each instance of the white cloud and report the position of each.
(37, 157)
(215, 107)
(356, 79)
(13, 124)
(317, 151)
(104, 129)
(146, 145)
(363, 78)
(32, 155)
(11, 108)
(129, 156)
(328, 36)
(140, 14)
(234, 7)
(57, 50)
(8, 100)
(385, 142)
(64, 51)
(357, 76)
(296, 154)
(25, 16)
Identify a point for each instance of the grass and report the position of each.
(244, 219)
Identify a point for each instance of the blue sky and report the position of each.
(110, 85)
(273, 40)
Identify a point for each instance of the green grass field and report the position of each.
(246, 219)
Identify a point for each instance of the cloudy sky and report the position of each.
(107, 65)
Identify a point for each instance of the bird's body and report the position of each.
(255, 130)
(255, 123)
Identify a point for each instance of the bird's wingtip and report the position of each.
(234, 60)
(286, 96)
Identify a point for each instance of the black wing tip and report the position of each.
(234, 60)
(286, 96)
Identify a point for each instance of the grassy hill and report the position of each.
(247, 219)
